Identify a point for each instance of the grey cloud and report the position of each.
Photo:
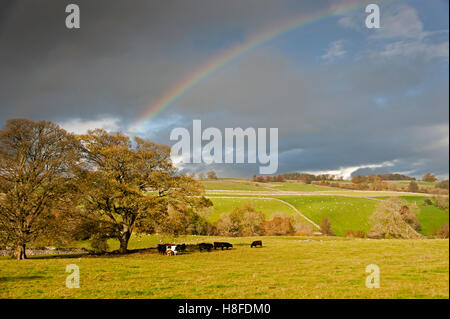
(127, 54)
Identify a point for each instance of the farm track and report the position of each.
(330, 193)
(279, 200)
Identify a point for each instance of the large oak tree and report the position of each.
(36, 161)
(129, 182)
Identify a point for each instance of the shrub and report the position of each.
(303, 229)
(179, 220)
(442, 232)
(355, 234)
(325, 227)
(277, 226)
(442, 184)
(393, 218)
(211, 175)
(428, 177)
(441, 202)
(242, 221)
(409, 217)
(413, 187)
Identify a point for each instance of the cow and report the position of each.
(205, 246)
(161, 248)
(256, 243)
(181, 248)
(164, 249)
(222, 245)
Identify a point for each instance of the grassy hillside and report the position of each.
(248, 185)
(238, 185)
(269, 207)
(286, 267)
(299, 187)
(430, 217)
(346, 209)
(343, 212)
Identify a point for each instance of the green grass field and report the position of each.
(241, 185)
(406, 183)
(345, 209)
(343, 212)
(286, 267)
(248, 185)
(269, 207)
(430, 217)
(299, 187)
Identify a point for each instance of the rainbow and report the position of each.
(226, 56)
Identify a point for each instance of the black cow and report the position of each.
(256, 243)
(205, 246)
(222, 245)
(181, 248)
(161, 248)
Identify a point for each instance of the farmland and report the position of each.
(286, 267)
(270, 207)
(343, 212)
(346, 209)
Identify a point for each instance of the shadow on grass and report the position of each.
(116, 253)
(60, 256)
(3, 279)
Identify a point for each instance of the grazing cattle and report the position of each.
(256, 243)
(164, 249)
(181, 247)
(205, 246)
(161, 248)
(222, 245)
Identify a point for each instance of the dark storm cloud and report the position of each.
(359, 110)
(125, 55)
(331, 113)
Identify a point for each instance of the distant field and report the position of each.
(343, 212)
(248, 185)
(286, 267)
(421, 183)
(299, 187)
(244, 185)
(403, 183)
(346, 209)
(269, 207)
(430, 217)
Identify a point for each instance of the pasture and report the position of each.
(234, 184)
(248, 185)
(430, 217)
(269, 207)
(343, 212)
(346, 209)
(286, 267)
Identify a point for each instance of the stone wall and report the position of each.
(38, 251)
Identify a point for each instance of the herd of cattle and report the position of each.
(173, 249)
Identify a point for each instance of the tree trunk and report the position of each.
(124, 238)
(19, 253)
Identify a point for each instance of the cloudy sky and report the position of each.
(346, 99)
